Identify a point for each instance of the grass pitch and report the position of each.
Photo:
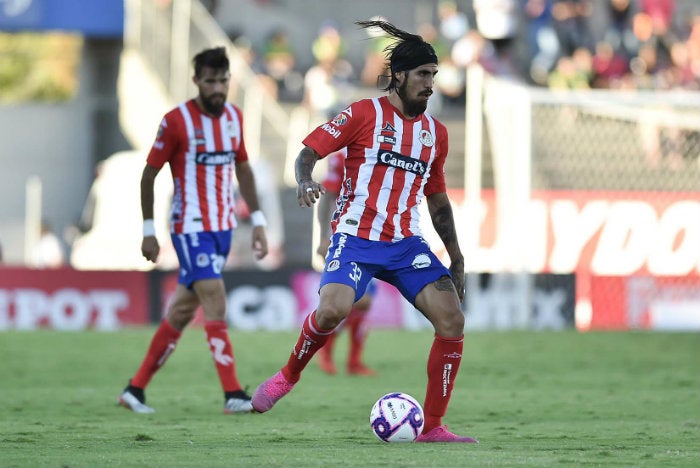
(532, 399)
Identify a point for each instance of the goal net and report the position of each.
(602, 186)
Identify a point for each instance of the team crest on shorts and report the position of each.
(421, 261)
(333, 265)
(426, 138)
(202, 260)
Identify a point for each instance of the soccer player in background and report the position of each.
(202, 140)
(356, 319)
(396, 157)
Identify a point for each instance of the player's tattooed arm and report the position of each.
(308, 190)
(443, 221)
(304, 164)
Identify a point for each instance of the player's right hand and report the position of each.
(150, 248)
(308, 191)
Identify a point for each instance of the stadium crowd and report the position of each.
(560, 44)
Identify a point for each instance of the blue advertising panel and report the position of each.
(92, 18)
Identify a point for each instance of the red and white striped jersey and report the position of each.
(201, 151)
(391, 164)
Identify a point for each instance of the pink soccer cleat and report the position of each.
(270, 391)
(441, 434)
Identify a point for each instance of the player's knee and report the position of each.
(180, 315)
(450, 323)
(330, 315)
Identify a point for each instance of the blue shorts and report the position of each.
(371, 290)
(202, 255)
(408, 264)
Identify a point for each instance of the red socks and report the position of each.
(222, 352)
(162, 345)
(311, 339)
(355, 324)
(443, 364)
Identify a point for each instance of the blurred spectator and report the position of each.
(245, 49)
(453, 23)
(329, 78)
(583, 61)
(497, 21)
(279, 62)
(449, 83)
(567, 76)
(48, 251)
(609, 66)
(619, 32)
(694, 45)
(468, 49)
(329, 44)
(570, 19)
(542, 42)
(474, 48)
(645, 68)
(653, 24)
(681, 73)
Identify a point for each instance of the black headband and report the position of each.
(410, 55)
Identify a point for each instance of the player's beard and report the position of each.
(411, 107)
(212, 106)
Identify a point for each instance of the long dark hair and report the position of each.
(408, 52)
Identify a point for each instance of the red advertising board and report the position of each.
(68, 299)
(617, 243)
(647, 302)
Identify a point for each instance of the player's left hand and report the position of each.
(308, 191)
(457, 270)
(259, 242)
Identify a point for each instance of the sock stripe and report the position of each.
(313, 326)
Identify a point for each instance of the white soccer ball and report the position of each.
(396, 417)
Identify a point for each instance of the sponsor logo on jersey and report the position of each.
(399, 161)
(351, 222)
(421, 261)
(342, 200)
(386, 139)
(231, 129)
(388, 128)
(215, 158)
(340, 119)
(334, 132)
(426, 138)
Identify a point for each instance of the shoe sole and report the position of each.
(125, 404)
